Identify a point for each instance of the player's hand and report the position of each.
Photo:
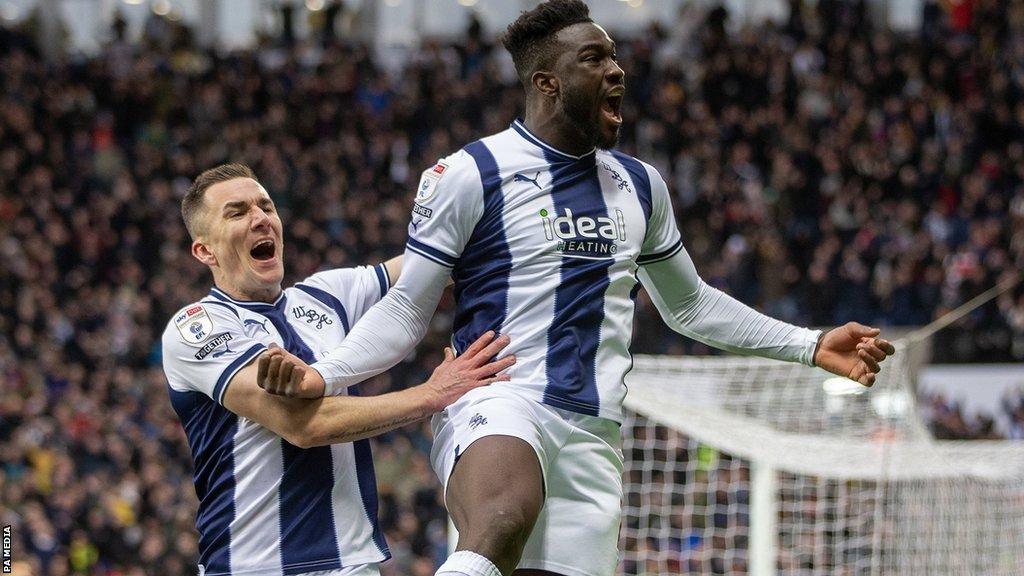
(854, 351)
(284, 374)
(472, 369)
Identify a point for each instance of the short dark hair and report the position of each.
(530, 39)
(192, 203)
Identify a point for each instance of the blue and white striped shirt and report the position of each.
(545, 247)
(266, 507)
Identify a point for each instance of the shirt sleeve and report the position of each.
(449, 203)
(662, 239)
(389, 330)
(356, 288)
(204, 346)
(693, 308)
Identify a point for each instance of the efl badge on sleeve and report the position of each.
(194, 324)
(428, 182)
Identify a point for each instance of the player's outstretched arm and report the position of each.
(306, 423)
(854, 351)
(695, 309)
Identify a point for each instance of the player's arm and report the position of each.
(449, 203)
(394, 269)
(693, 308)
(387, 332)
(306, 423)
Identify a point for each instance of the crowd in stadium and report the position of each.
(948, 420)
(823, 170)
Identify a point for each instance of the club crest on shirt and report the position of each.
(194, 324)
(429, 180)
(620, 182)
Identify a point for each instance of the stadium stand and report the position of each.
(823, 170)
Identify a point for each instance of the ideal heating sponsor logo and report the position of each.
(583, 236)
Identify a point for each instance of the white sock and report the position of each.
(466, 563)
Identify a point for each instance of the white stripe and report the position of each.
(259, 465)
(613, 358)
(532, 287)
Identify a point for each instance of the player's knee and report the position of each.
(501, 532)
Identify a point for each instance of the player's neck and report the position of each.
(265, 294)
(556, 131)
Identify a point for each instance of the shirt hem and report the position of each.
(307, 567)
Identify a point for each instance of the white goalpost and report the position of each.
(747, 466)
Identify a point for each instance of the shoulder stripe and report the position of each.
(232, 369)
(659, 256)
(382, 278)
(327, 299)
(431, 253)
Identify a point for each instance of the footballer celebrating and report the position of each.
(285, 485)
(548, 234)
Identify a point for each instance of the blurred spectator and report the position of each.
(947, 420)
(857, 174)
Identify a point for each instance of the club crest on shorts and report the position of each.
(429, 180)
(477, 420)
(194, 324)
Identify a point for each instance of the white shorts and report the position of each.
(577, 531)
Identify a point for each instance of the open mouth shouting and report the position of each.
(611, 107)
(264, 250)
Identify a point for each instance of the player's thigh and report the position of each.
(496, 485)
(490, 452)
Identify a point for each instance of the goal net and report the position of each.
(747, 466)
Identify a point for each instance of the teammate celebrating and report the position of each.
(546, 231)
(278, 493)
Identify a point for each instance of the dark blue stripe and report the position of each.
(367, 480)
(210, 429)
(428, 256)
(327, 299)
(481, 276)
(224, 304)
(308, 539)
(382, 278)
(659, 256)
(641, 181)
(232, 369)
(430, 251)
(575, 329)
